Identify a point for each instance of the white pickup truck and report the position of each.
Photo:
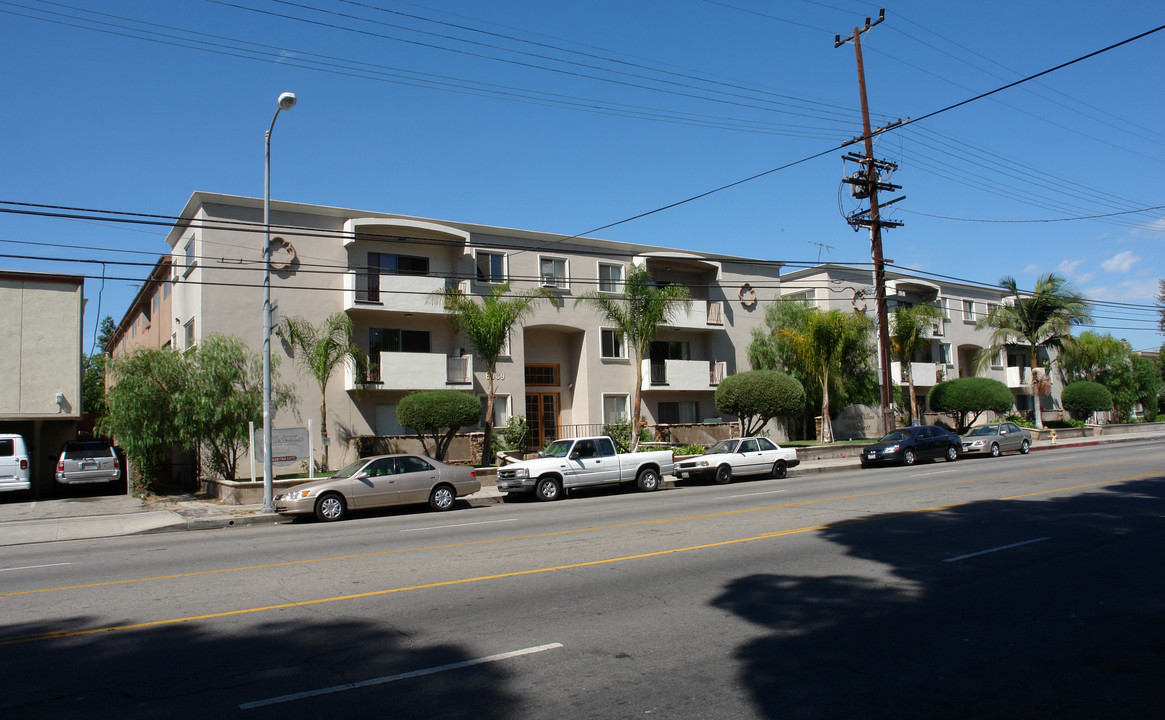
(583, 462)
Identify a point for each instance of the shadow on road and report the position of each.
(209, 670)
(1069, 624)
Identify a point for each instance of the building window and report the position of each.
(687, 411)
(154, 303)
(386, 422)
(615, 409)
(189, 258)
(552, 272)
(189, 333)
(612, 344)
(545, 375)
(944, 353)
(968, 311)
(389, 264)
(491, 267)
(501, 409)
(610, 278)
(166, 288)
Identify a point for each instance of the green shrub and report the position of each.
(1082, 398)
(514, 435)
(757, 396)
(965, 399)
(437, 416)
(1021, 421)
(621, 432)
(689, 450)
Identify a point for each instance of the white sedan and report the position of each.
(739, 456)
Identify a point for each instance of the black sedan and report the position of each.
(906, 446)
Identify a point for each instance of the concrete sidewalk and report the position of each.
(83, 518)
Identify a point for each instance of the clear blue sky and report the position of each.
(571, 116)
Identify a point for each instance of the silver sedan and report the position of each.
(380, 481)
(996, 438)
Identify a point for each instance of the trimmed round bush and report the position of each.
(439, 409)
(1082, 398)
(967, 398)
(760, 395)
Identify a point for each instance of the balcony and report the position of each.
(417, 371)
(683, 374)
(396, 293)
(923, 374)
(702, 315)
(1018, 377)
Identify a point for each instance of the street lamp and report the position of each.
(286, 102)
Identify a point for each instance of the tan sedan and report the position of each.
(380, 481)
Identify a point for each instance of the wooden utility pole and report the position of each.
(875, 223)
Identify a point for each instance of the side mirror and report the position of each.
(574, 455)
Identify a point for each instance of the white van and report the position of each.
(13, 463)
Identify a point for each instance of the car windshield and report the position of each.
(724, 446)
(351, 469)
(557, 449)
(894, 436)
(983, 430)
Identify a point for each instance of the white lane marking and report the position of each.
(401, 676)
(443, 527)
(767, 492)
(996, 549)
(35, 567)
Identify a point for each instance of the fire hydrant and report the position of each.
(1052, 436)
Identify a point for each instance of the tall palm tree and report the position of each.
(320, 350)
(822, 344)
(1041, 319)
(487, 326)
(637, 314)
(908, 330)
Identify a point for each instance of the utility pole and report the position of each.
(869, 178)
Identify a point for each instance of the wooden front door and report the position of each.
(542, 418)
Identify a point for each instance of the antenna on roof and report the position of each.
(820, 247)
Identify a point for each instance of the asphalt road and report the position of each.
(1022, 587)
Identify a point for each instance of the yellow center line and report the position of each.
(560, 533)
(59, 634)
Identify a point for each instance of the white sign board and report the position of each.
(288, 445)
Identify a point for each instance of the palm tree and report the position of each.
(320, 350)
(1041, 319)
(908, 330)
(487, 326)
(638, 314)
(823, 345)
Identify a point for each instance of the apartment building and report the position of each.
(955, 341)
(565, 371)
(40, 396)
(148, 321)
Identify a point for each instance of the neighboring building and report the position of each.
(40, 395)
(147, 322)
(566, 371)
(955, 342)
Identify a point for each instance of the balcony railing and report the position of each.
(683, 374)
(416, 371)
(921, 374)
(702, 314)
(399, 293)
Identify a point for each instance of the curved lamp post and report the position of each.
(286, 102)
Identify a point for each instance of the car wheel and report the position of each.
(442, 498)
(994, 450)
(330, 507)
(780, 469)
(908, 457)
(952, 453)
(723, 475)
(648, 480)
(1024, 447)
(547, 490)
(865, 465)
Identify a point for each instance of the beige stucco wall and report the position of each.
(40, 321)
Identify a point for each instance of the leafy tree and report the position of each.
(1147, 383)
(320, 350)
(108, 327)
(757, 396)
(487, 326)
(93, 384)
(223, 394)
(1041, 319)
(142, 414)
(637, 314)
(1111, 362)
(1084, 397)
(1161, 305)
(440, 414)
(772, 350)
(965, 399)
(824, 347)
(909, 327)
